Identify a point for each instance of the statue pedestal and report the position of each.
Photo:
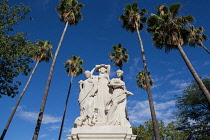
(102, 133)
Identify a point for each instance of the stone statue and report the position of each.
(103, 95)
(116, 107)
(88, 90)
(102, 101)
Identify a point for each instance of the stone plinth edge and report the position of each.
(102, 133)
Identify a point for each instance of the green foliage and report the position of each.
(42, 52)
(15, 49)
(196, 36)
(141, 80)
(194, 111)
(169, 132)
(119, 55)
(74, 66)
(167, 28)
(69, 11)
(132, 18)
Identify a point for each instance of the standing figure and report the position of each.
(103, 94)
(88, 90)
(116, 107)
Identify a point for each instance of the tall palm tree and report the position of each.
(196, 37)
(132, 21)
(141, 80)
(119, 55)
(42, 53)
(69, 11)
(73, 68)
(169, 31)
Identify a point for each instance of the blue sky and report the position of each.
(92, 39)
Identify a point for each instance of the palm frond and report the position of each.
(69, 10)
(132, 19)
(141, 80)
(74, 66)
(118, 55)
(175, 8)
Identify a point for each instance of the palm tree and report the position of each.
(132, 21)
(196, 37)
(42, 53)
(169, 31)
(141, 80)
(73, 68)
(69, 11)
(119, 55)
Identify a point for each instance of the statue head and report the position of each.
(119, 73)
(102, 70)
(87, 74)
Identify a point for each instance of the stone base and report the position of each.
(102, 133)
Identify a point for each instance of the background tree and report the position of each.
(196, 37)
(119, 55)
(169, 31)
(141, 80)
(69, 11)
(15, 49)
(41, 54)
(193, 112)
(73, 68)
(132, 21)
(167, 132)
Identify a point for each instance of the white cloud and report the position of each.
(43, 136)
(140, 111)
(32, 116)
(67, 130)
(180, 84)
(133, 69)
(53, 127)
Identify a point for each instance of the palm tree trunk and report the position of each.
(152, 109)
(121, 69)
(205, 48)
(195, 75)
(44, 99)
(65, 107)
(17, 103)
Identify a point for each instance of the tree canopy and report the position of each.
(132, 18)
(119, 55)
(167, 132)
(194, 111)
(167, 28)
(69, 11)
(74, 66)
(141, 80)
(14, 48)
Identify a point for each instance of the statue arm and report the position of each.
(92, 71)
(80, 84)
(116, 83)
(127, 92)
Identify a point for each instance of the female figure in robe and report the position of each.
(116, 111)
(88, 90)
(103, 94)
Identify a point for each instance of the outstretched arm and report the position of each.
(93, 70)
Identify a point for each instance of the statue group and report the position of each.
(102, 101)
